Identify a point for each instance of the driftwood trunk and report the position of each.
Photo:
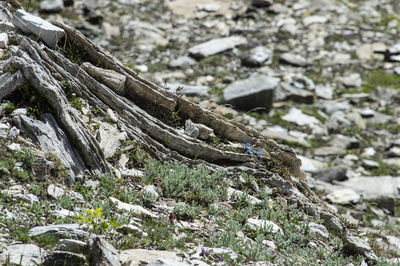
(145, 112)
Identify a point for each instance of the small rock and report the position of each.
(24, 254)
(109, 139)
(152, 190)
(307, 21)
(103, 253)
(262, 3)
(256, 56)
(14, 133)
(55, 192)
(370, 164)
(137, 209)
(182, 62)
(111, 115)
(352, 80)
(4, 128)
(42, 29)
(332, 174)
(264, 224)
(129, 229)
(343, 196)
(298, 117)
(64, 258)
(191, 129)
(14, 147)
(123, 160)
(324, 92)
(293, 59)
(19, 111)
(254, 92)
(216, 46)
(189, 90)
(128, 173)
(72, 245)
(319, 230)
(355, 245)
(3, 40)
(51, 6)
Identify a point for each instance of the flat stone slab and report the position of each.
(24, 254)
(371, 187)
(294, 59)
(216, 46)
(42, 29)
(298, 117)
(343, 196)
(69, 231)
(247, 94)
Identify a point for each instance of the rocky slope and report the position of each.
(317, 76)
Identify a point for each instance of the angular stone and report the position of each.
(234, 193)
(371, 187)
(4, 130)
(276, 135)
(319, 230)
(140, 256)
(329, 150)
(256, 56)
(343, 196)
(262, 3)
(152, 190)
(189, 90)
(332, 174)
(254, 92)
(355, 245)
(51, 6)
(51, 138)
(42, 29)
(24, 254)
(137, 209)
(216, 46)
(64, 258)
(129, 229)
(311, 165)
(3, 40)
(9, 83)
(128, 173)
(298, 117)
(147, 36)
(55, 192)
(296, 94)
(109, 139)
(111, 78)
(307, 21)
(264, 224)
(182, 62)
(72, 231)
(324, 92)
(103, 253)
(352, 80)
(294, 59)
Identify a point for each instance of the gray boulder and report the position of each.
(24, 254)
(247, 94)
(42, 29)
(51, 6)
